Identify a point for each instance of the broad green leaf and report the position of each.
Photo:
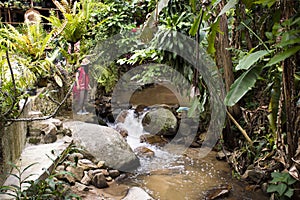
(241, 86)
(282, 56)
(214, 28)
(272, 188)
(288, 42)
(289, 193)
(290, 180)
(228, 6)
(268, 3)
(279, 177)
(195, 25)
(281, 188)
(269, 35)
(250, 59)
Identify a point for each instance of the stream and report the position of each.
(167, 176)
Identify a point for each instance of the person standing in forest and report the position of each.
(81, 87)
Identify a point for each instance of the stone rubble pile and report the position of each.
(46, 131)
(82, 172)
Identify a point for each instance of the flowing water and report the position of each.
(167, 176)
(176, 177)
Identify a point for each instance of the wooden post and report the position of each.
(9, 15)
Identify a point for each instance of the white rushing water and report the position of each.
(161, 160)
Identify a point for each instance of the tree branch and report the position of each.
(44, 117)
(240, 128)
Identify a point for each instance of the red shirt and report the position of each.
(83, 79)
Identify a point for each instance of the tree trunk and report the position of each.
(2, 178)
(288, 74)
(223, 59)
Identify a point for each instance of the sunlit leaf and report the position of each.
(149, 27)
(58, 80)
(250, 59)
(228, 6)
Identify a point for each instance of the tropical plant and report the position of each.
(49, 188)
(272, 62)
(106, 77)
(281, 185)
(73, 27)
(28, 47)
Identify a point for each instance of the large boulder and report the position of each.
(160, 121)
(105, 144)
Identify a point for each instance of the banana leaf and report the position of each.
(242, 85)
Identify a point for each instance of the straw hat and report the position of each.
(85, 62)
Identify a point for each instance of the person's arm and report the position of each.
(77, 79)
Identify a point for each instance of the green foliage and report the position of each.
(105, 76)
(142, 56)
(28, 44)
(214, 29)
(268, 3)
(75, 25)
(242, 85)
(198, 106)
(49, 188)
(250, 59)
(283, 55)
(281, 185)
(23, 61)
(288, 46)
(194, 29)
(231, 4)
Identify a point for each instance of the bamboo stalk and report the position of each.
(240, 128)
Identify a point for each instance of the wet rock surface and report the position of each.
(217, 192)
(160, 121)
(96, 140)
(99, 181)
(144, 152)
(153, 139)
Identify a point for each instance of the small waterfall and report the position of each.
(161, 160)
(134, 127)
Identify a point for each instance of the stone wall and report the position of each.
(12, 142)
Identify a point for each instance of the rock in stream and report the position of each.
(104, 143)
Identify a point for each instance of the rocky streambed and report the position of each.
(126, 162)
